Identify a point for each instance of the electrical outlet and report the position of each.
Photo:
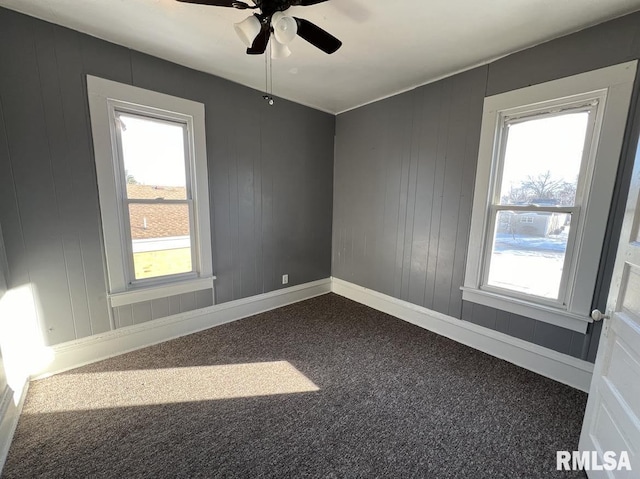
(285, 279)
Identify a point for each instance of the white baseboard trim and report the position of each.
(552, 364)
(10, 408)
(546, 362)
(102, 346)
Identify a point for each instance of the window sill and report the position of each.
(565, 319)
(160, 291)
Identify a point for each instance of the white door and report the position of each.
(612, 418)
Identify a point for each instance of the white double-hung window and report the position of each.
(153, 187)
(546, 170)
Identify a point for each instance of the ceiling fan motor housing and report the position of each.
(258, 38)
(269, 7)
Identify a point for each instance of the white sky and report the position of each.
(153, 151)
(547, 144)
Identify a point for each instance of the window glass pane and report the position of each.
(528, 252)
(161, 239)
(542, 160)
(154, 157)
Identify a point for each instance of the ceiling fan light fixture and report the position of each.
(279, 50)
(248, 29)
(285, 28)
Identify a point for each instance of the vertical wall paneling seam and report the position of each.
(262, 235)
(572, 341)
(403, 203)
(130, 54)
(257, 238)
(486, 81)
(447, 109)
(55, 186)
(535, 328)
(400, 225)
(434, 160)
(232, 249)
(431, 256)
(272, 260)
(409, 235)
(212, 210)
(333, 197)
(387, 173)
(236, 244)
(116, 315)
(426, 131)
(417, 110)
(584, 353)
(229, 230)
(15, 195)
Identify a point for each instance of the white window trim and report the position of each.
(103, 95)
(616, 84)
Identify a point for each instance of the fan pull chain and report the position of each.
(268, 76)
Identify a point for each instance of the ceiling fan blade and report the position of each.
(306, 3)
(317, 36)
(214, 3)
(259, 44)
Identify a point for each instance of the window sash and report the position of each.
(590, 143)
(567, 268)
(124, 201)
(572, 253)
(163, 117)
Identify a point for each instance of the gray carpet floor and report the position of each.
(322, 388)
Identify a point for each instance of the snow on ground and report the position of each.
(529, 264)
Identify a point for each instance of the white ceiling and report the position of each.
(388, 46)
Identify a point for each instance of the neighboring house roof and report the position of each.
(162, 220)
(149, 192)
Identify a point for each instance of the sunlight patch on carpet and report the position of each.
(114, 389)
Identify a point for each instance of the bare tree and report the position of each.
(543, 187)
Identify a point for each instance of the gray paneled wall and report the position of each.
(404, 177)
(161, 308)
(270, 175)
(4, 269)
(4, 273)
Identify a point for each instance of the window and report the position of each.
(153, 188)
(546, 170)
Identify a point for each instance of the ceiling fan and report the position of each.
(256, 29)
